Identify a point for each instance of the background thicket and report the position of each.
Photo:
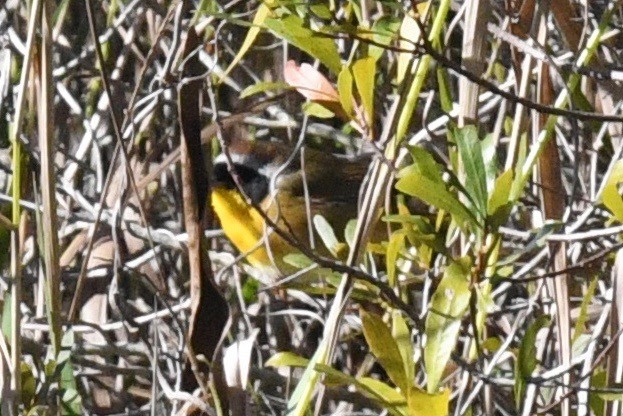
(497, 133)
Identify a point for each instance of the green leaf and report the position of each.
(485, 304)
(286, 359)
(395, 245)
(260, 16)
(383, 346)
(321, 10)
(349, 232)
(263, 87)
(29, 384)
(489, 156)
(599, 379)
(445, 90)
(387, 396)
(71, 400)
(492, 344)
(425, 164)
(345, 90)
(292, 29)
(436, 194)
(39, 410)
(325, 231)
(526, 358)
(422, 403)
(611, 196)
(499, 207)
(303, 393)
(334, 377)
(298, 260)
(583, 316)
(448, 304)
(402, 335)
(7, 323)
(384, 31)
(364, 71)
(317, 110)
(470, 152)
(381, 391)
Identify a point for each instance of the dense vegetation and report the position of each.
(481, 276)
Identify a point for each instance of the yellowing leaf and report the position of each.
(395, 245)
(345, 89)
(292, 29)
(384, 348)
(611, 196)
(364, 73)
(317, 110)
(422, 403)
(409, 36)
(286, 359)
(402, 335)
(262, 13)
(448, 304)
(381, 391)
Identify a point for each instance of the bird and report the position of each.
(289, 190)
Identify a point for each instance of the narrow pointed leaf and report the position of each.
(448, 304)
(384, 348)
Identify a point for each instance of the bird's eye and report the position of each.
(254, 184)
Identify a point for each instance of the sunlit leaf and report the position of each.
(394, 247)
(317, 110)
(611, 197)
(364, 71)
(260, 16)
(436, 194)
(409, 36)
(345, 89)
(286, 359)
(71, 399)
(402, 336)
(326, 233)
(470, 152)
(383, 32)
(422, 403)
(386, 395)
(383, 392)
(447, 306)
(384, 348)
(499, 207)
(292, 28)
(349, 232)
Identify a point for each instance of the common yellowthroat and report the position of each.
(329, 183)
